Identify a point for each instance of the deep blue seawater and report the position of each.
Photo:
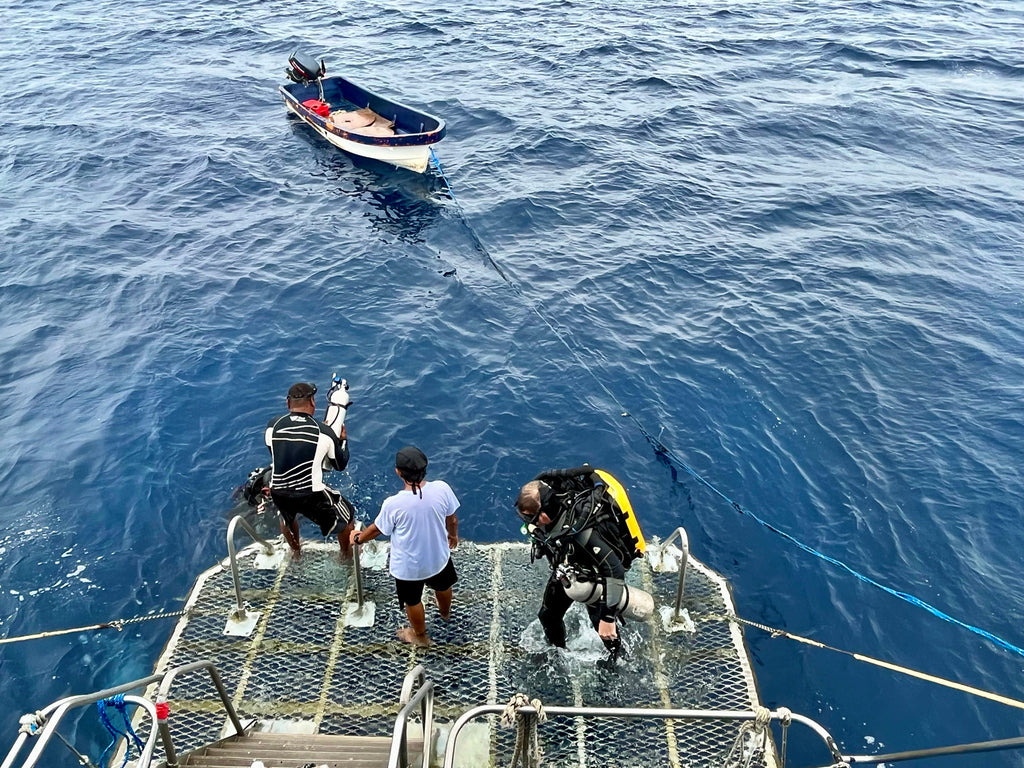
(786, 237)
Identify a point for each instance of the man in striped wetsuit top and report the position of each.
(300, 447)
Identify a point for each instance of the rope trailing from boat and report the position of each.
(118, 624)
(774, 632)
(752, 741)
(527, 751)
(673, 461)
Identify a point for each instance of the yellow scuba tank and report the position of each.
(618, 494)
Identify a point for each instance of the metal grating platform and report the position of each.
(303, 662)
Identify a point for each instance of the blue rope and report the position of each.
(118, 703)
(665, 453)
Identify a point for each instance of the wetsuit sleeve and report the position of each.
(337, 450)
(591, 545)
(340, 458)
(268, 435)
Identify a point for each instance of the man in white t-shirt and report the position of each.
(421, 521)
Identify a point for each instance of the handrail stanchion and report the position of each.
(170, 755)
(239, 614)
(358, 571)
(684, 546)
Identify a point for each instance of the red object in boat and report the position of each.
(317, 106)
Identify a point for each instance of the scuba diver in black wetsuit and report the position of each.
(582, 522)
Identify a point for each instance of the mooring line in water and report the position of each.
(946, 683)
(118, 624)
(673, 461)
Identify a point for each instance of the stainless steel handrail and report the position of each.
(229, 708)
(684, 546)
(60, 708)
(424, 698)
(663, 714)
(239, 613)
(146, 757)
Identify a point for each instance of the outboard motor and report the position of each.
(304, 69)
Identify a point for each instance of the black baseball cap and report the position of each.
(410, 459)
(301, 391)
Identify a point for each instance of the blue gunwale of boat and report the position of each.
(413, 127)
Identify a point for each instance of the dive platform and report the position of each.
(308, 646)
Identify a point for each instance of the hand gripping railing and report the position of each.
(684, 546)
(424, 699)
(783, 716)
(49, 719)
(239, 613)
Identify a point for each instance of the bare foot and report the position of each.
(296, 552)
(345, 557)
(407, 635)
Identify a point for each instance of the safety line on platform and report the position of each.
(674, 461)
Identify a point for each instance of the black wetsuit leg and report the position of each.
(552, 610)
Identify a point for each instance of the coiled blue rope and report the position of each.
(118, 703)
(674, 461)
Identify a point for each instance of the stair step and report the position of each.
(369, 761)
(281, 750)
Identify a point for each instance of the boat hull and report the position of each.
(406, 142)
(413, 158)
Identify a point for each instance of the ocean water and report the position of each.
(784, 237)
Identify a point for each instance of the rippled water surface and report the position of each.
(785, 237)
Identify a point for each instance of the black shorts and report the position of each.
(411, 592)
(327, 508)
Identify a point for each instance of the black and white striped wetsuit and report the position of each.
(298, 445)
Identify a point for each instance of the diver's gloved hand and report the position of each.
(614, 646)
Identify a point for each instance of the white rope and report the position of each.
(751, 741)
(527, 752)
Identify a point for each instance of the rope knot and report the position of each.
(511, 715)
(527, 750)
(31, 723)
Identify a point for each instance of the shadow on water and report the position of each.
(404, 204)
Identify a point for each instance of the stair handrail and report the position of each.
(783, 716)
(424, 699)
(229, 708)
(239, 613)
(50, 716)
(49, 722)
